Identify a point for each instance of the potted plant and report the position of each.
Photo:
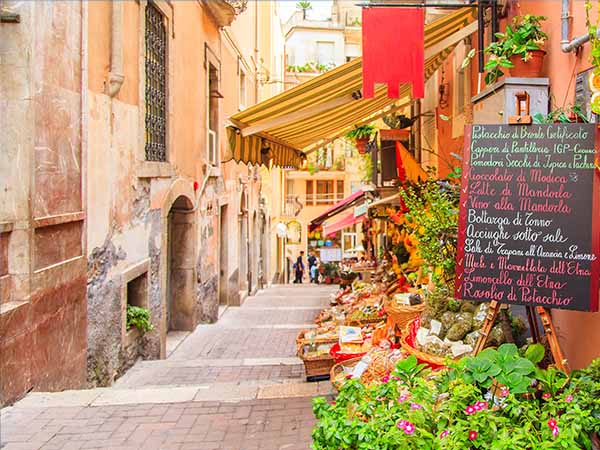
(519, 49)
(361, 136)
(574, 114)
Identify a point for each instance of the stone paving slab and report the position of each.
(235, 385)
(269, 424)
(184, 374)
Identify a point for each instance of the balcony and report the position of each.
(225, 11)
(293, 205)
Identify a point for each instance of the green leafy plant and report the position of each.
(522, 37)
(414, 408)
(562, 115)
(310, 67)
(139, 318)
(304, 6)
(432, 218)
(593, 33)
(503, 366)
(366, 167)
(364, 131)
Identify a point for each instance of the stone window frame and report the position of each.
(130, 273)
(212, 59)
(155, 169)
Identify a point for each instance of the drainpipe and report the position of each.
(115, 76)
(567, 45)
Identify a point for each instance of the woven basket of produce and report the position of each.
(380, 366)
(402, 315)
(407, 342)
(339, 373)
(317, 364)
(317, 360)
(318, 367)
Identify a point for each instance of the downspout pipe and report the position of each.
(567, 45)
(115, 76)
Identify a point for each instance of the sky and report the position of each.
(321, 9)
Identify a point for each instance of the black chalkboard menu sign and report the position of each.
(529, 225)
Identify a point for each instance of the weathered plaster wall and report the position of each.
(150, 211)
(42, 310)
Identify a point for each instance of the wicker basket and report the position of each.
(380, 366)
(401, 316)
(318, 368)
(435, 362)
(339, 367)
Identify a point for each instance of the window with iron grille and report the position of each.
(156, 85)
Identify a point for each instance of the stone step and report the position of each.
(215, 392)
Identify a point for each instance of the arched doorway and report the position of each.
(181, 303)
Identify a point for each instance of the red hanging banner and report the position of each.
(393, 42)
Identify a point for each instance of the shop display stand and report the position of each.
(549, 330)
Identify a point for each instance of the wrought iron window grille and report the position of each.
(156, 85)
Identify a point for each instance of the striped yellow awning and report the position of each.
(327, 106)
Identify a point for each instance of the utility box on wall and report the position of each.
(498, 102)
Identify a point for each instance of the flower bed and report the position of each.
(497, 400)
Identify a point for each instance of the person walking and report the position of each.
(312, 260)
(299, 269)
(314, 271)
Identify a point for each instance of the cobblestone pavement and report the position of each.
(234, 385)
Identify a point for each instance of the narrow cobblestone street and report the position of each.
(233, 385)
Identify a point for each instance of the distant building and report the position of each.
(315, 46)
(332, 172)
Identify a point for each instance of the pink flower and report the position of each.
(470, 410)
(349, 376)
(403, 398)
(552, 423)
(396, 378)
(472, 435)
(555, 431)
(480, 406)
(444, 434)
(410, 428)
(569, 398)
(402, 424)
(546, 395)
(385, 379)
(415, 406)
(504, 392)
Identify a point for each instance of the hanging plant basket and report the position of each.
(361, 145)
(528, 69)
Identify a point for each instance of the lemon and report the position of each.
(595, 103)
(594, 82)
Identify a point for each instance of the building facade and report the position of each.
(117, 190)
(334, 171)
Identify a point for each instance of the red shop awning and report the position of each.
(336, 209)
(346, 221)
